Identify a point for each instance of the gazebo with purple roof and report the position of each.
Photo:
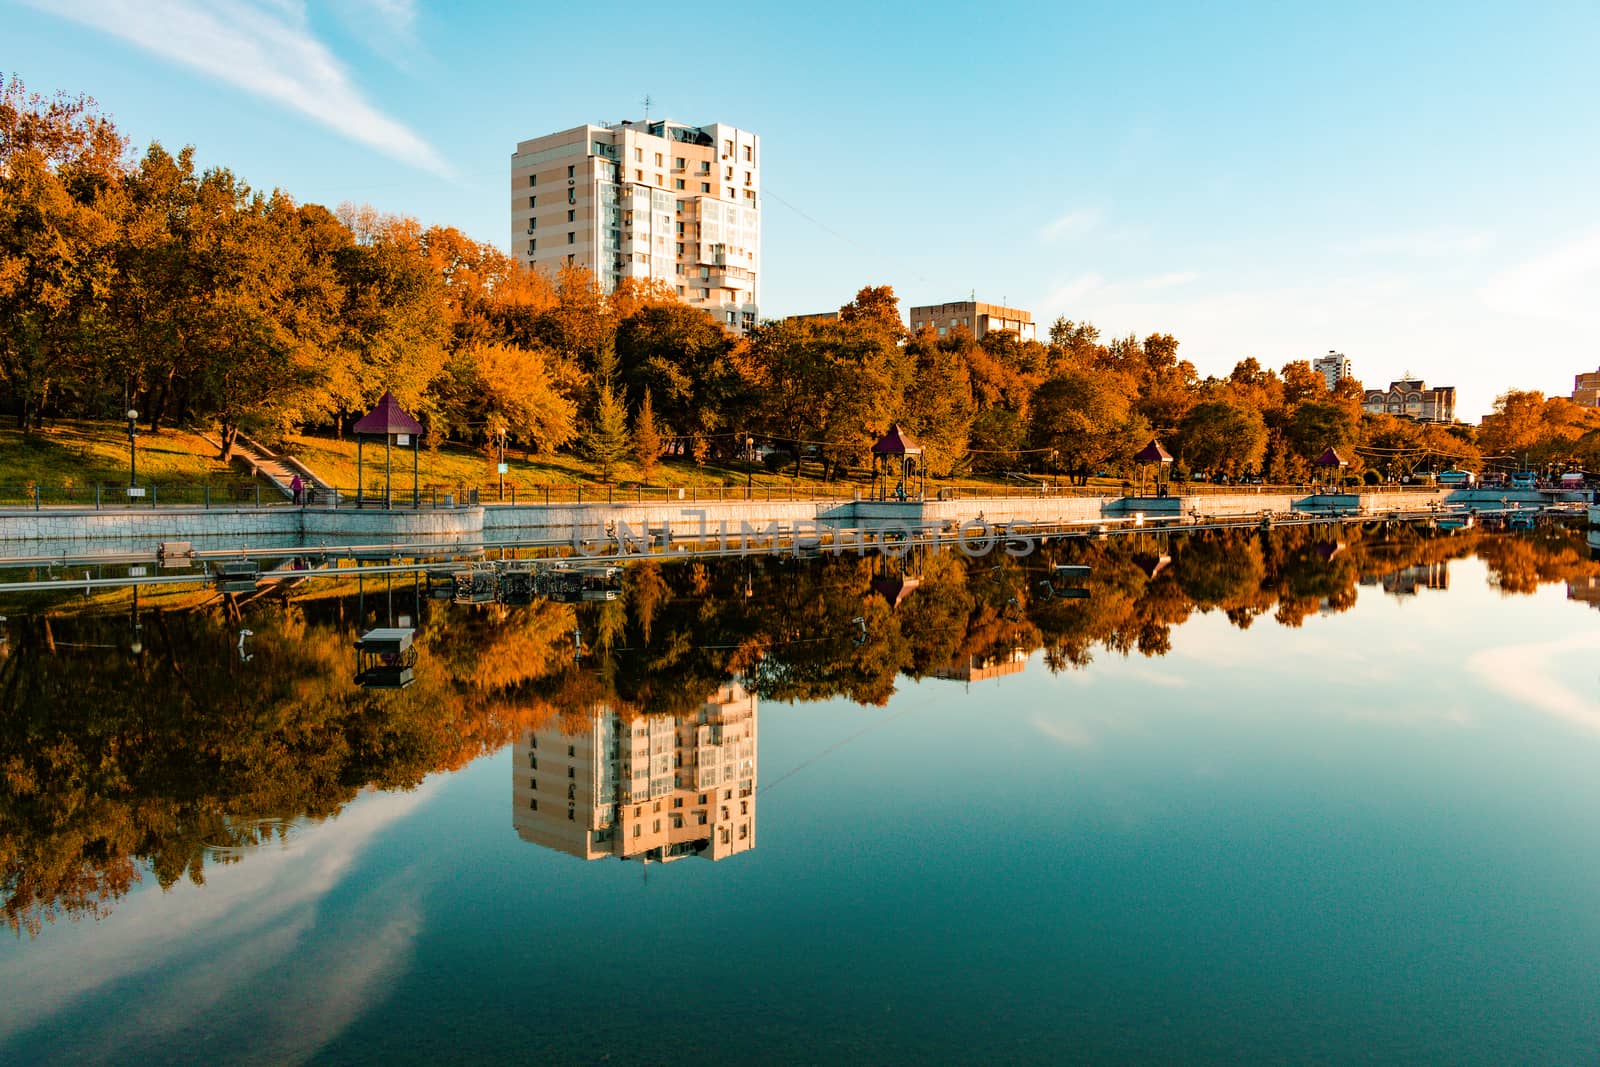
(897, 457)
(397, 427)
(1331, 461)
(1152, 453)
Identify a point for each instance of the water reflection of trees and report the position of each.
(115, 763)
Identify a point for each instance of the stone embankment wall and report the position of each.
(56, 531)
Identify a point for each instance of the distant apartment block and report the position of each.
(650, 788)
(975, 317)
(1334, 368)
(1412, 399)
(680, 204)
(1586, 389)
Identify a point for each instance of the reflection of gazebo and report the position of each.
(386, 658)
(1152, 453)
(396, 426)
(1330, 461)
(897, 459)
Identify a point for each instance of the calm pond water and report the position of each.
(1315, 796)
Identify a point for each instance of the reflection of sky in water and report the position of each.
(1369, 838)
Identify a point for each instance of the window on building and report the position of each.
(677, 822)
(637, 830)
(705, 272)
(677, 163)
(727, 148)
(533, 802)
(572, 238)
(749, 154)
(744, 831)
(680, 243)
(571, 259)
(700, 818)
(572, 816)
(679, 271)
(533, 246)
(731, 317)
(533, 201)
(659, 181)
(680, 290)
(638, 175)
(705, 187)
(533, 179)
(680, 231)
(638, 155)
(572, 172)
(572, 216)
(572, 772)
(749, 194)
(677, 183)
(572, 196)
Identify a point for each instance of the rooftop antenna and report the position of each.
(647, 103)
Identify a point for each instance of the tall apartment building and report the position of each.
(1412, 399)
(1586, 389)
(680, 204)
(1334, 368)
(975, 317)
(653, 787)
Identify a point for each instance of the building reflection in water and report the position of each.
(648, 788)
(982, 668)
(1407, 581)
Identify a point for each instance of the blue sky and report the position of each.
(1411, 184)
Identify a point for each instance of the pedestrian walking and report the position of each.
(297, 488)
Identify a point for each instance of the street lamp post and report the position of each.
(133, 453)
(501, 466)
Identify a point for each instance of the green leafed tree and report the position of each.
(605, 441)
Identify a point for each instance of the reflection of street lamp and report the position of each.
(136, 646)
(133, 455)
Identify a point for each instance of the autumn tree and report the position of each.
(1222, 437)
(646, 438)
(1088, 418)
(60, 162)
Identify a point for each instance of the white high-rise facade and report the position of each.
(654, 199)
(1334, 368)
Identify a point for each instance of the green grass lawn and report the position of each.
(69, 457)
(75, 455)
(452, 467)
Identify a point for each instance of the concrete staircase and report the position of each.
(279, 470)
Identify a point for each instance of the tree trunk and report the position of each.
(228, 435)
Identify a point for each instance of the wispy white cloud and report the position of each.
(1168, 280)
(387, 27)
(266, 48)
(253, 926)
(1422, 244)
(1073, 222)
(1525, 674)
(1558, 284)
